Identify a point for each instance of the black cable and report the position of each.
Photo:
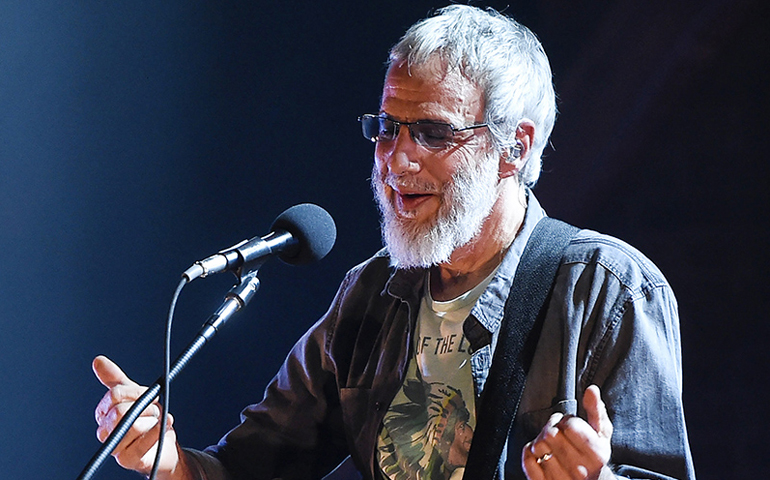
(166, 381)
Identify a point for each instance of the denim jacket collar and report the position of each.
(490, 307)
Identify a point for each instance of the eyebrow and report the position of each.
(421, 120)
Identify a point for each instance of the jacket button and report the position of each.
(377, 406)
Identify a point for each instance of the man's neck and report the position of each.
(475, 261)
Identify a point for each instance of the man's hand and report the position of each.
(571, 448)
(137, 449)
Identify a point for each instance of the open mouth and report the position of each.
(408, 202)
(414, 196)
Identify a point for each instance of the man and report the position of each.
(394, 372)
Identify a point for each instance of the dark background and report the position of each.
(139, 136)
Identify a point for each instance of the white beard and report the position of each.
(466, 201)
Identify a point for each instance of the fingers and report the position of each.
(112, 416)
(116, 396)
(551, 455)
(540, 463)
(570, 447)
(116, 402)
(531, 465)
(539, 458)
(583, 447)
(137, 450)
(596, 412)
(108, 373)
(121, 390)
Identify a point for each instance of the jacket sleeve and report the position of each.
(629, 345)
(612, 321)
(296, 430)
(636, 361)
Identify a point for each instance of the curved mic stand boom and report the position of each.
(237, 298)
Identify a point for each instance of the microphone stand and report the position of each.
(237, 298)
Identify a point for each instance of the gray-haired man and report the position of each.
(394, 374)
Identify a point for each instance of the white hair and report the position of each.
(503, 58)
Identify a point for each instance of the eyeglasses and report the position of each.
(429, 134)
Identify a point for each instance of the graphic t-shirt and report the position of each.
(427, 430)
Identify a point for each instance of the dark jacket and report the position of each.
(612, 321)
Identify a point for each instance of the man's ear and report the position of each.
(513, 159)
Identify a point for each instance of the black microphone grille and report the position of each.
(313, 228)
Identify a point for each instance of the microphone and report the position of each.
(302, 234)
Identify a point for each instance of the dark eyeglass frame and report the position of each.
(371, 127)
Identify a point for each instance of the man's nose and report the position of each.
(404, 154)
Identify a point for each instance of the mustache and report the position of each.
(409, 183)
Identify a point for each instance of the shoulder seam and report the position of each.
(653, 279)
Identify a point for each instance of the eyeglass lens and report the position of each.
(427, 134)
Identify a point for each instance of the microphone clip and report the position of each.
(243, 257)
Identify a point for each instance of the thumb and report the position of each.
(108, 373)
(596, 412)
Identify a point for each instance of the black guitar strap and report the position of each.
(519, 333)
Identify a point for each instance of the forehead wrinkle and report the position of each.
(428, 93)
